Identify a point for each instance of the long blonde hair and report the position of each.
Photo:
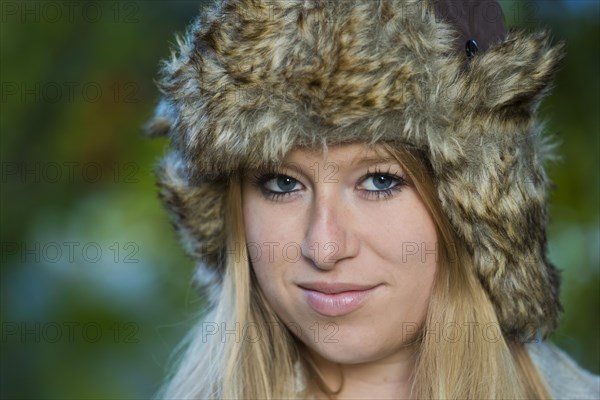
(473, 361)
(270, 362)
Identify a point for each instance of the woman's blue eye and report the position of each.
(381, 185)
(276, 186)
(379, 182)
(280, 184)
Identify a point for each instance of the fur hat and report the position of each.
(253, 79)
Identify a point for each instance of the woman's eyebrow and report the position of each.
(372, 160)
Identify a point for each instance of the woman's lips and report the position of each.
(337, 299)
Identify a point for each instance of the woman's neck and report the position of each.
(387, 378)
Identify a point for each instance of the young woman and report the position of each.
(361, 184)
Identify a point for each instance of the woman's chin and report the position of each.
(347, 352)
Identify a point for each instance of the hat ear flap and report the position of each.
(195, 208)
(491, 176)
(515, 75)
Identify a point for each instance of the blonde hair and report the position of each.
(469, 366)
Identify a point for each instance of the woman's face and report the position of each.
(343, 249)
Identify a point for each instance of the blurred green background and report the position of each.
(95, 288)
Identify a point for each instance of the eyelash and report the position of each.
(260, 179)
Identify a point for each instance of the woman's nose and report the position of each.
(329, 237)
